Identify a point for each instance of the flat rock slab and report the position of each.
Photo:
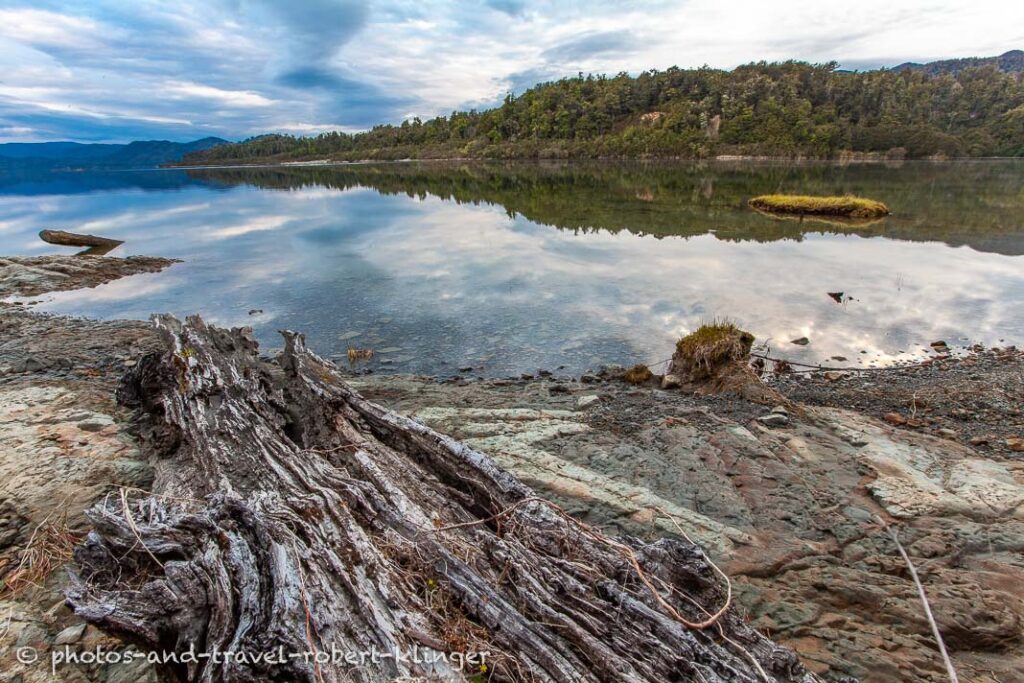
(789, 510)
(34, 275)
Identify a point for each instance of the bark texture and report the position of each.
(290, 512)
(98, 246)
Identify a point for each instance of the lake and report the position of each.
(509, 268)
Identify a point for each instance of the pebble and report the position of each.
(70, 635)
(948, 433)
(774, 420)
(802, 341)
(584, 401)
(671, 382)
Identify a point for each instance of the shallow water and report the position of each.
(507, 269)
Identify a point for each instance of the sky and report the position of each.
(115, 71)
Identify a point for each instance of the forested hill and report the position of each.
(781, 109)
(1012, 61)
(20, 156)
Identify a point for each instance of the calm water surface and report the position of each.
(508, 269)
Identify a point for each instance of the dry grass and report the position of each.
(712, 344)
(49, 548)
(638, 374)
(849, 206)
(355, 355)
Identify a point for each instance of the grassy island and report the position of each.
(850, 207)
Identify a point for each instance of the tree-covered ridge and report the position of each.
(781, 109)
(1012, 61)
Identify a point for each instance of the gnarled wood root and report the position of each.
(291, 515)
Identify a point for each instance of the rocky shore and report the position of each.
(784, 497)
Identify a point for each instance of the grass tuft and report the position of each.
(849, 206)
(355, 355)
(638, 374)
(712, 344)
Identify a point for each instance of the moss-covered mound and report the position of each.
(850, 207)
(699, 354)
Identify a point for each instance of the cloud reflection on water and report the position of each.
(457, 283)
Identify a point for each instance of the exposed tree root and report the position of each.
(289, 512)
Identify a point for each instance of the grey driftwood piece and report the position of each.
(96, 245)
(290, 512)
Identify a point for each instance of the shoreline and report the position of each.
(723, 159)
(782, 504)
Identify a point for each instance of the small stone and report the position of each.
(895, 419)
(802, 341)
(979, 440)
(70, 635)
(948, 433)
(671, 382)
(774, 420)
(468, 368)
(839, 358)
(589, 399)
(558, 389)
(589, 379)
(255, 311)
(940, 346)
(1015, 443)
(780, 410)
(834, 375)
(526, 375)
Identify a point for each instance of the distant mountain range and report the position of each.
(74, 155)
(1009, 62)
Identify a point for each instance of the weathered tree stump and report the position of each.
(288, 512)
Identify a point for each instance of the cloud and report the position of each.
(510, 7)
(110, 71)
(593, 44)
(236, 98)
(317, 28)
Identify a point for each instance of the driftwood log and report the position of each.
(97, 246)
(289, 514)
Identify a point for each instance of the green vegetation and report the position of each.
(709, 346)
(687, 199)
(638, 374)
(850, 207)
(788, 109)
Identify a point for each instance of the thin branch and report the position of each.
(894, 535)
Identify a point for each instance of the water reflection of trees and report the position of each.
(979, 204)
